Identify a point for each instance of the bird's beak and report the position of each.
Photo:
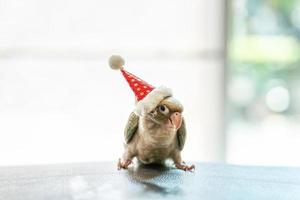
(176, 120)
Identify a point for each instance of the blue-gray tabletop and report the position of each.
(103, 181)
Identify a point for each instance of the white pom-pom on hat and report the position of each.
(116, 62)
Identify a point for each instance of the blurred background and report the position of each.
(263, 79)
(233, 65)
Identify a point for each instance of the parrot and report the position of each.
(155, 135)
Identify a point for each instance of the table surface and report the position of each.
(104, 181)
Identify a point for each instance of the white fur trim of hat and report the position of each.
(150, 101)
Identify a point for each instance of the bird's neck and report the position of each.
(156, 132)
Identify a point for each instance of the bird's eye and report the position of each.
(163, 109)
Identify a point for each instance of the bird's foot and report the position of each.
(123, 164)
(185, 167)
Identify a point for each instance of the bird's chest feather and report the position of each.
(155, 144)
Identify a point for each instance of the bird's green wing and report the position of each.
(181, 135)
(131, 127)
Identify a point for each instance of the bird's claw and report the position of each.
(123, 164)
(185, 167)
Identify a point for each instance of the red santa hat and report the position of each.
(147, 96)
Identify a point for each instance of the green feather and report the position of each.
(181, 135)
(131, 127)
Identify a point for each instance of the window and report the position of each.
(264, 78)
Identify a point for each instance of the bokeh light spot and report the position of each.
(278, 99)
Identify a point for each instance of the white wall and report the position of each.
(60, 102)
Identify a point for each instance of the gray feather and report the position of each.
(131, 127)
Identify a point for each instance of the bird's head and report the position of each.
(167, 113)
